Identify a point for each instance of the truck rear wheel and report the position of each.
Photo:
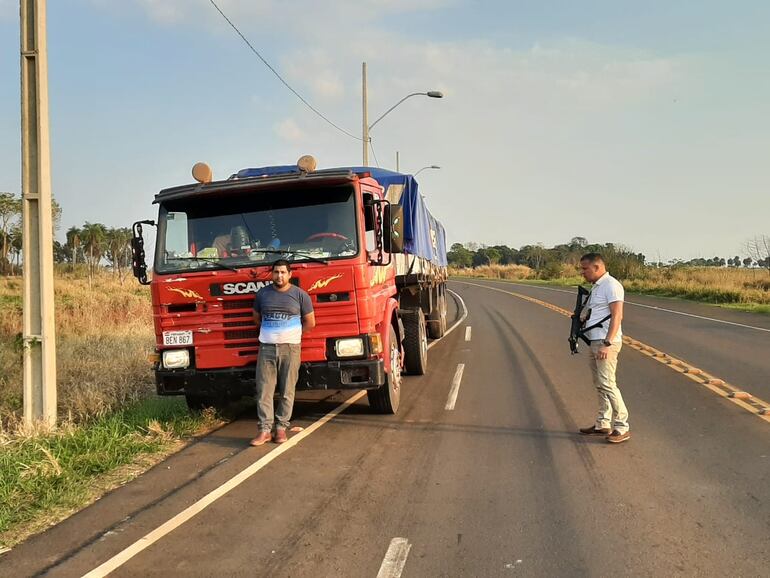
(415, 342)
(437, 319)
(387, 397)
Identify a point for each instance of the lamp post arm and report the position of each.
(371, 126)
(425, 168)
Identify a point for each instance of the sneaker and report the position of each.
(262, 438)
(280, 436)
(595, 431)
(616, 437)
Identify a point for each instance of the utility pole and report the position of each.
(37, 223)
(397, 163)
(366, 116)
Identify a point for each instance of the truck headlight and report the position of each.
(349, 347)
(176, 359)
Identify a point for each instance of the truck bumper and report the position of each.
(237, 382)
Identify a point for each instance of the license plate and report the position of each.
(177, 337)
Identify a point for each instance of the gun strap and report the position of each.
(583, 331)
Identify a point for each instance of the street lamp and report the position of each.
(367, 127)
(423, 168)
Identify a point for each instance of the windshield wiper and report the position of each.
(287, 252)
(205, 259)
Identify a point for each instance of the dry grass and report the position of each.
(103, 337)
(710, 284)
(744, 288)
(111, 427)
(511, 272)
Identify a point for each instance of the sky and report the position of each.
(646, 124)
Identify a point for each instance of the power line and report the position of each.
(286, 84)
(374, 154)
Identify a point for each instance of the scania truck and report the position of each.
(360, 241)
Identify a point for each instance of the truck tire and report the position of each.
(415, 342)
(437, 319)
(386, 398)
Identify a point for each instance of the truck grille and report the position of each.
(242, 334)
(238, 304)
(244, 323)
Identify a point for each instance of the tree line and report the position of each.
(94, 243)
(549, 262)
(11, 241)
(90, 245)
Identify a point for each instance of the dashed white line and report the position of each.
(452, 399)
(395, 558)
(468, 333)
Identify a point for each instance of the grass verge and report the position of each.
(706, 296)
(45, 477)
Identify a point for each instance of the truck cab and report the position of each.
(216, 242)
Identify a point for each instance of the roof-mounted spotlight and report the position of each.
(307, 164)
(202, 173)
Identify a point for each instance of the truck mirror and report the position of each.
(137, 252)
(393, 228)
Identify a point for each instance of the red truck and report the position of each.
(362, 244)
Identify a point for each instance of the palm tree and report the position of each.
(93, 236)
(117, 241)
(73, 244)
(16, 241)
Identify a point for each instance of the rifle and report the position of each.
(578, 319)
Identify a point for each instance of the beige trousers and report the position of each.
(612, 411)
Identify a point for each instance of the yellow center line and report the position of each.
(721, 387)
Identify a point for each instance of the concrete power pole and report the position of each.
(366, 116)
(37, 222)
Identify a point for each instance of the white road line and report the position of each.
(146, 541)
(452, 399)
(468, 333)
(733, 323)
(124, 556)
(395, 558)
(701, 317)
(456, 324)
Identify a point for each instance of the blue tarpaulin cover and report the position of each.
(424, 236)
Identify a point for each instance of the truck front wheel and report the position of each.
(387, 397)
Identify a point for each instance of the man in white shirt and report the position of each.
(606, 305)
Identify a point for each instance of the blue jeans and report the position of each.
(277, 368)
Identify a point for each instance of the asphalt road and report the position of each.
(500, 485)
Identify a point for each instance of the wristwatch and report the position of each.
(606, 342)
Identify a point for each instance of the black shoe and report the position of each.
(595, 431)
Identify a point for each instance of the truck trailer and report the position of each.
(360, 241)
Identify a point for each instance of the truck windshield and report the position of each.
(256, 228)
